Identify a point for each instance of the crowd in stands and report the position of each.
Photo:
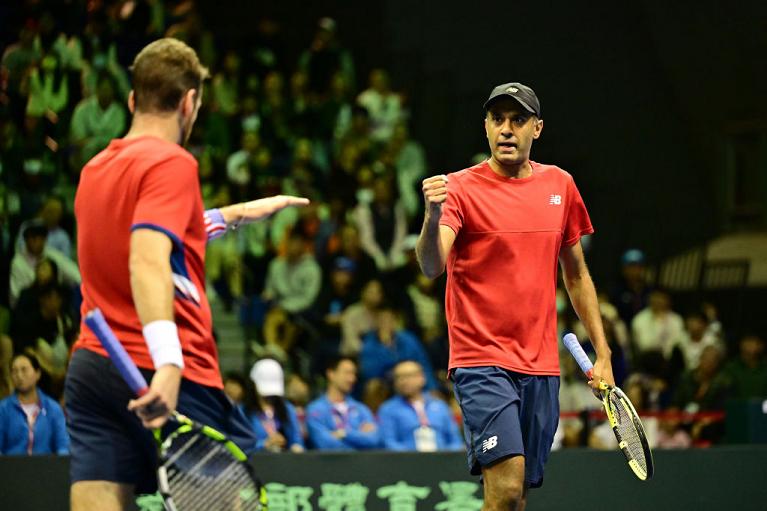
(350, 336)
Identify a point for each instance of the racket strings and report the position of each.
(203, 475)
(627, 430)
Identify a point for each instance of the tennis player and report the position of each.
(142, 233)
(500, 228)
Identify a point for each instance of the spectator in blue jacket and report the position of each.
(414, 420)
(335, 420)
(390, 344)
(273, 418)
(31, 422)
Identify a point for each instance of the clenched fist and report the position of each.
(434, 194)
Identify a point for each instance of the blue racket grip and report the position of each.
(575, 349)
(130, 373)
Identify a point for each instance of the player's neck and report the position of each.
(29, 397)
(164, 126)
(415, 398)
(335, 395)
(516, 171)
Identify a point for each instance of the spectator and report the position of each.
(235, 387)
(97, 119)
(240, 165)
(292, 284)
(46, 274)
(100, 53)
(324, 58)
(429, 318)
(297, 391)
(275, 112)
(657, 329)
(672, 435)
(51, 214)
(389, 345)
(350, 247)
(414, 420)
(574, 396)
(273, 417)
(632, 293)
(6, 353)
(300, 108)
(305, 177)
(383, 226)
(336, 421)
(16, 60)
(25, 261)
(48, 332)
(355, 140)
(698, 335)
(409, 161)
(30, 421)
(748, 372)
(226, 85)
(385, 106)
(333, 300)
(360, 318)
(704, 388)
(335, 114)
(48, 89)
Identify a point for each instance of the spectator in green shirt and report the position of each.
(748, 372)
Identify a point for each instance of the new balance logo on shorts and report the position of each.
(555, 199)
(489, 443)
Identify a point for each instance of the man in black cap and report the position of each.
(500, 228)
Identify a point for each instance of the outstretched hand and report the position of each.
(255, 210)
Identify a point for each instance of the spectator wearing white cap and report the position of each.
(273, 418)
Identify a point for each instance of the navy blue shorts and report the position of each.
(507, 414)
(108, 442)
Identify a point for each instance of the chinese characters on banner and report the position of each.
(452, 496)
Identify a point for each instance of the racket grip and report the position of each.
(575, 349)
(128, 370)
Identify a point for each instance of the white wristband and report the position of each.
(164, 346)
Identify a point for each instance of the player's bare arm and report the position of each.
(583, 296)
(255, 210)
(152, 289)
(435, 241)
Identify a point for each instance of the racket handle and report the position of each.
(575, 349)
(128, 370)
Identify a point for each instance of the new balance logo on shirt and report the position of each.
(555, 199)
(489, 443)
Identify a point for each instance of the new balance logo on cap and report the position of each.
(555, 199)
(489, 443)
(512, 90)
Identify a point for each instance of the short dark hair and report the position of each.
(163, 72)
(336, 361)
(32, 360)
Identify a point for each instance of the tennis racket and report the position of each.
(621, 414)
(199, 467)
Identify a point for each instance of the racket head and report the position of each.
(201, 469)
(629, 432)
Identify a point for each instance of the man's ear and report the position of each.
(189, 102)
(132, 102)
(538, 128)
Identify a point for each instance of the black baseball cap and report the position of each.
(524, 95)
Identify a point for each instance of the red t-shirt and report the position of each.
(145, 182)
(502, 270)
